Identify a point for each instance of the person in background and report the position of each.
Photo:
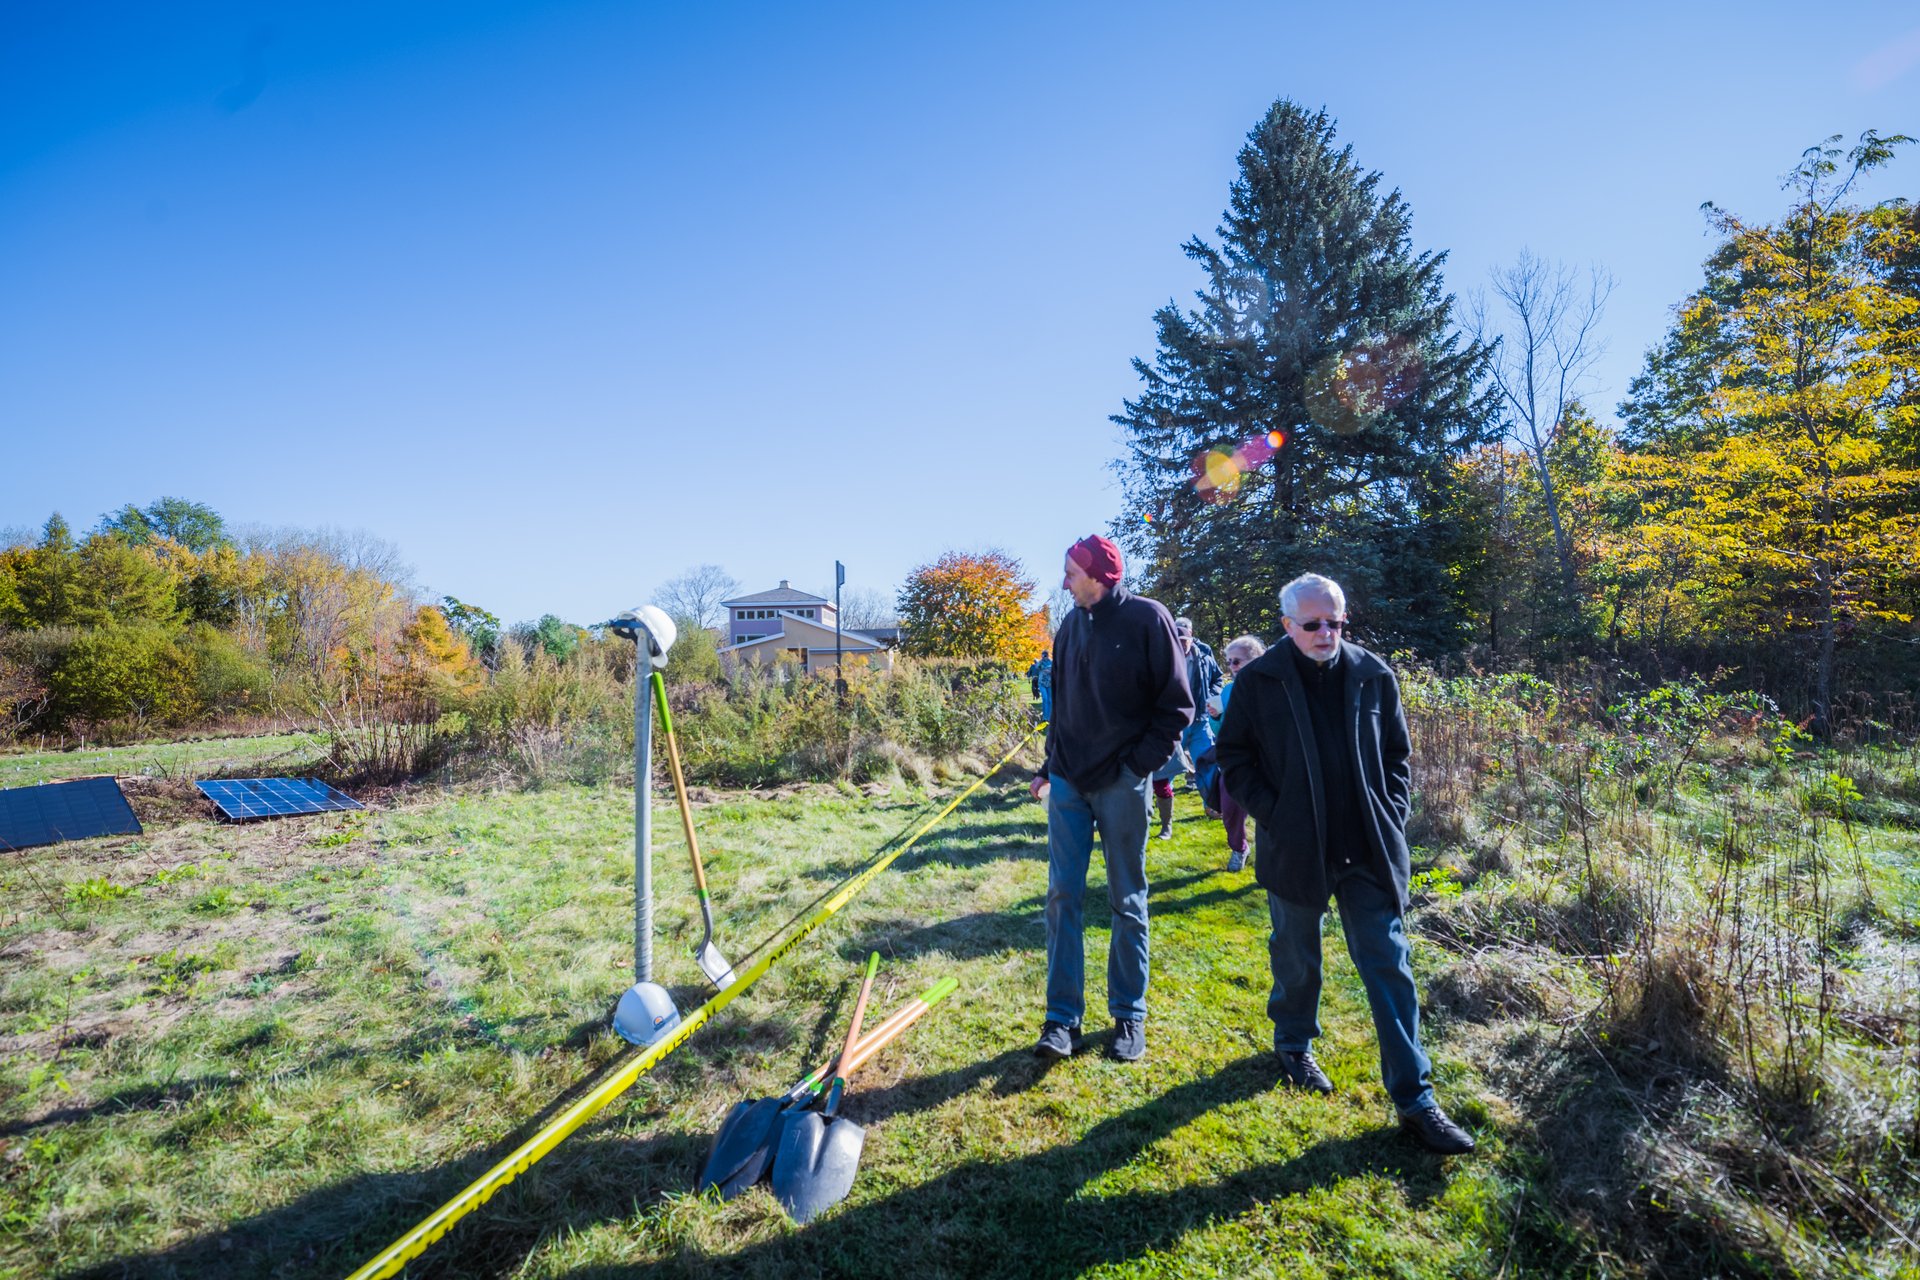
(1120, 702)
(1040, 674)
(1203, 680)
(1178, 763)
(1314, 743)
(1233, 815)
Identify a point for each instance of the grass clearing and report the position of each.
(269, 1049)
(292, 753)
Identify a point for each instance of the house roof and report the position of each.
(782, 594)
(798, 631)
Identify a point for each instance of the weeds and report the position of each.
(1703, 871)
(96, 889)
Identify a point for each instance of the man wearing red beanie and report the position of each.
(1120, 702)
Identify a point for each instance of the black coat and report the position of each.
(1119, 691)
(1272, 768)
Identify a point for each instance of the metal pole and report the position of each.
(839, 578)
(642, 819)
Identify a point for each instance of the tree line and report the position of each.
(1326, 404)
(161, 616)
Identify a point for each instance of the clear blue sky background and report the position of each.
(565, 298)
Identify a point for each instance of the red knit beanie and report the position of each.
(1097, 558)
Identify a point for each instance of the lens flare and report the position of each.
(1219, 474)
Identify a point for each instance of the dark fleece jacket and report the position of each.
(1272, 766)
(1119, 691)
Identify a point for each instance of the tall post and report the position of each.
(642, 819)
(839, 580)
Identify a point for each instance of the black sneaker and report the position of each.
(1057, 1041)
(1299, 1071)
(1431, 1128)
(1129, 1040)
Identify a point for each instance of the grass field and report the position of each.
(267, 1050)
(201, 758)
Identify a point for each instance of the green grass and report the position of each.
(294, 753)
(270, 1049)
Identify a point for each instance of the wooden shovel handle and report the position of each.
(877, 1039)
(859, 1014)
(679, 782)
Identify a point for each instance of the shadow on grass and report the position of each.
(1034, 1216)
(598, 1175)
(1020, 927)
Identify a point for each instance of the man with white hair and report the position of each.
(1314, 744)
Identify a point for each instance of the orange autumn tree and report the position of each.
(969, 605)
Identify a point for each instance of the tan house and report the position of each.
(793, 626)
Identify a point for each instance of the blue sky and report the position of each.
(563, 299)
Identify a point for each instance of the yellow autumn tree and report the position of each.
(434, 662)
(969, 605)
(1779, 498)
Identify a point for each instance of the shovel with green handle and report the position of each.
(743, 1147)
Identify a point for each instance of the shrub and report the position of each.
(695, 656)
(229, 678)
(136, 673)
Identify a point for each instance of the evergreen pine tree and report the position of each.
(1308, 414)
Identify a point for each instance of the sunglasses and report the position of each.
(1331, 624)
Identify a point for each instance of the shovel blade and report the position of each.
(814, 1162)
(715, 966)
(742, 1148)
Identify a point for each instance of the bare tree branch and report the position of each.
(1545, 342)
(697, 594)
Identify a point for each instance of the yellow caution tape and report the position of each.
(391, 1259)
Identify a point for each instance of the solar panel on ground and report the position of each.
(243, 798)
(64, 811)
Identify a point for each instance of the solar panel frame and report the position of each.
(75, 809)
(248, 799)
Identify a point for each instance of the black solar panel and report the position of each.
(64, 811)
(243, 798)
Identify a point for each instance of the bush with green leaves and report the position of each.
(229, 678)
(134, 675)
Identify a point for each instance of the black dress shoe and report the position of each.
(1299, 1071)
(1434, 1131)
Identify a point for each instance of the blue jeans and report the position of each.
(1120, 811)
(1377, 941)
